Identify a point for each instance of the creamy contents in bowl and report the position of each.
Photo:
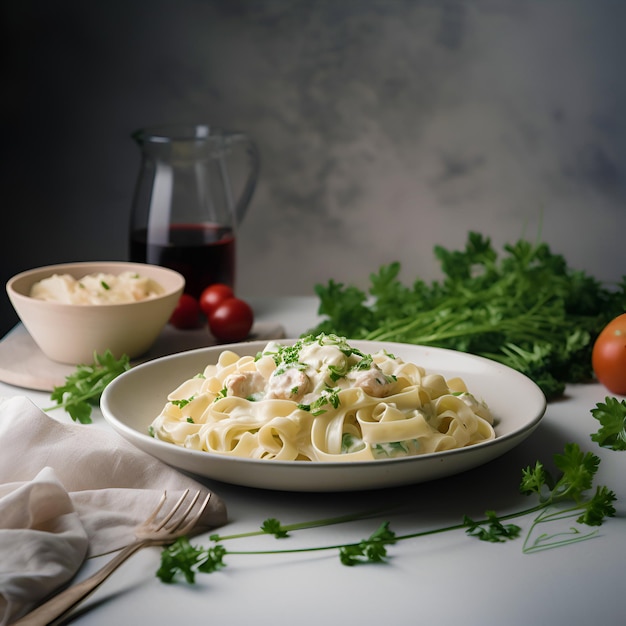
(96, 288)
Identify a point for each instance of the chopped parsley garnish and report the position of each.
(328, 396)
(222, 394)
(337, 372)
(182, 403)
(350, 443)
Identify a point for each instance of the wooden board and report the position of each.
(23, 364)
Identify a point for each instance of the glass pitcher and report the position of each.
(186, 210)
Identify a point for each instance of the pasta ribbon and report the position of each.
(321, 400)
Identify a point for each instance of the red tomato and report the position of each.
(213, 296)
(186, 313)
(231, 320)
(609, 356)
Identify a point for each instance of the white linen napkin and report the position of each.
(68, 491)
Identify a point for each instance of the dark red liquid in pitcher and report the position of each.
(203, 254)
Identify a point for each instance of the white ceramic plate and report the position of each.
(134, 399)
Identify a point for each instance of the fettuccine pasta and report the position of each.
(321, 400)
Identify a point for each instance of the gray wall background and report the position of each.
(385, 127)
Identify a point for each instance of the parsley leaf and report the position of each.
(183, 402)
(612, 417)
(272, 526)
(492, 530)
(83, 387)
(371, 550)
(179, 558)
(598, 508)
(182, 559)
(578, 471)
(535, 478)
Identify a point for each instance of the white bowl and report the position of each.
(71, 333)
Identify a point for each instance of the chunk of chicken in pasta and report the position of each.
(373, 382)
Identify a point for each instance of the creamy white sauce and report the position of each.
(318, 368)
(96, 288)
(321, 400)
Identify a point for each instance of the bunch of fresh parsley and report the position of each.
(528, 310)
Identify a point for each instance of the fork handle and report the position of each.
(68, 599)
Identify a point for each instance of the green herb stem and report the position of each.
(329, 521)
(560, 499)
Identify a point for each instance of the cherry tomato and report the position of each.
(231, 320)
(213, 296)
(186, 314)
(609, 356)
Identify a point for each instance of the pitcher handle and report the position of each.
(254, 161)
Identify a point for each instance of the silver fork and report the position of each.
(152, 532)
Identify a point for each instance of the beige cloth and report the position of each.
(68, 491)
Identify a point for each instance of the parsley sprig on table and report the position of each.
(569, 496)
(611, 414)
(84, 386)
(527, 309)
